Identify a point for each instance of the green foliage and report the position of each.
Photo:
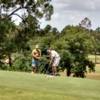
(7, 45)
(30, 26)
(76, 46)
(38, 8)
(22, 63)
(44, 65)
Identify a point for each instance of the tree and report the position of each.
(85, 23)
(7, 29)
(33, 11)
(55, 31)
(97, 29)
(75, 49)
(36, 8)
(96, 35)
(79, 49)
(47, 29)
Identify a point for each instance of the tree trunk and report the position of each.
(10, 60)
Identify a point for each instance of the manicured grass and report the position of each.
(97, 68)
(26, 86)
(92, 58)
(94, 75)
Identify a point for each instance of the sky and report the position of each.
(71, 12)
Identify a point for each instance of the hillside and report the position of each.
(26, 86)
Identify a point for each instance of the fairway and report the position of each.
(94, 75)
(26, 86)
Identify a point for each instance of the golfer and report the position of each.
(54, 60)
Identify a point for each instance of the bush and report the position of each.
(44, 65)
(22, 64)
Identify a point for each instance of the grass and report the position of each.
(95, 75)
(26, 86)
(97, 68)
(92, 58)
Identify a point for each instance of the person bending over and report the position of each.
(54, 60)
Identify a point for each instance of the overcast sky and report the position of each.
(73, 11)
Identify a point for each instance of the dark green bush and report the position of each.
(44, 65)
(22, 64)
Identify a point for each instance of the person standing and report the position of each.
(54, 60)
(36, 55)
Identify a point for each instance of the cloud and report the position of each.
(73, 11)
(78, 5)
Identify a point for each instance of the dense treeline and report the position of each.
(74, 43)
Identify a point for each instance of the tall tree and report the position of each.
(86, 23)
(76, 46)
(7, 29)
(36, 8)
(33, 11)
(97, 29)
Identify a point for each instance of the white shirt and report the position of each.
(54, 54)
